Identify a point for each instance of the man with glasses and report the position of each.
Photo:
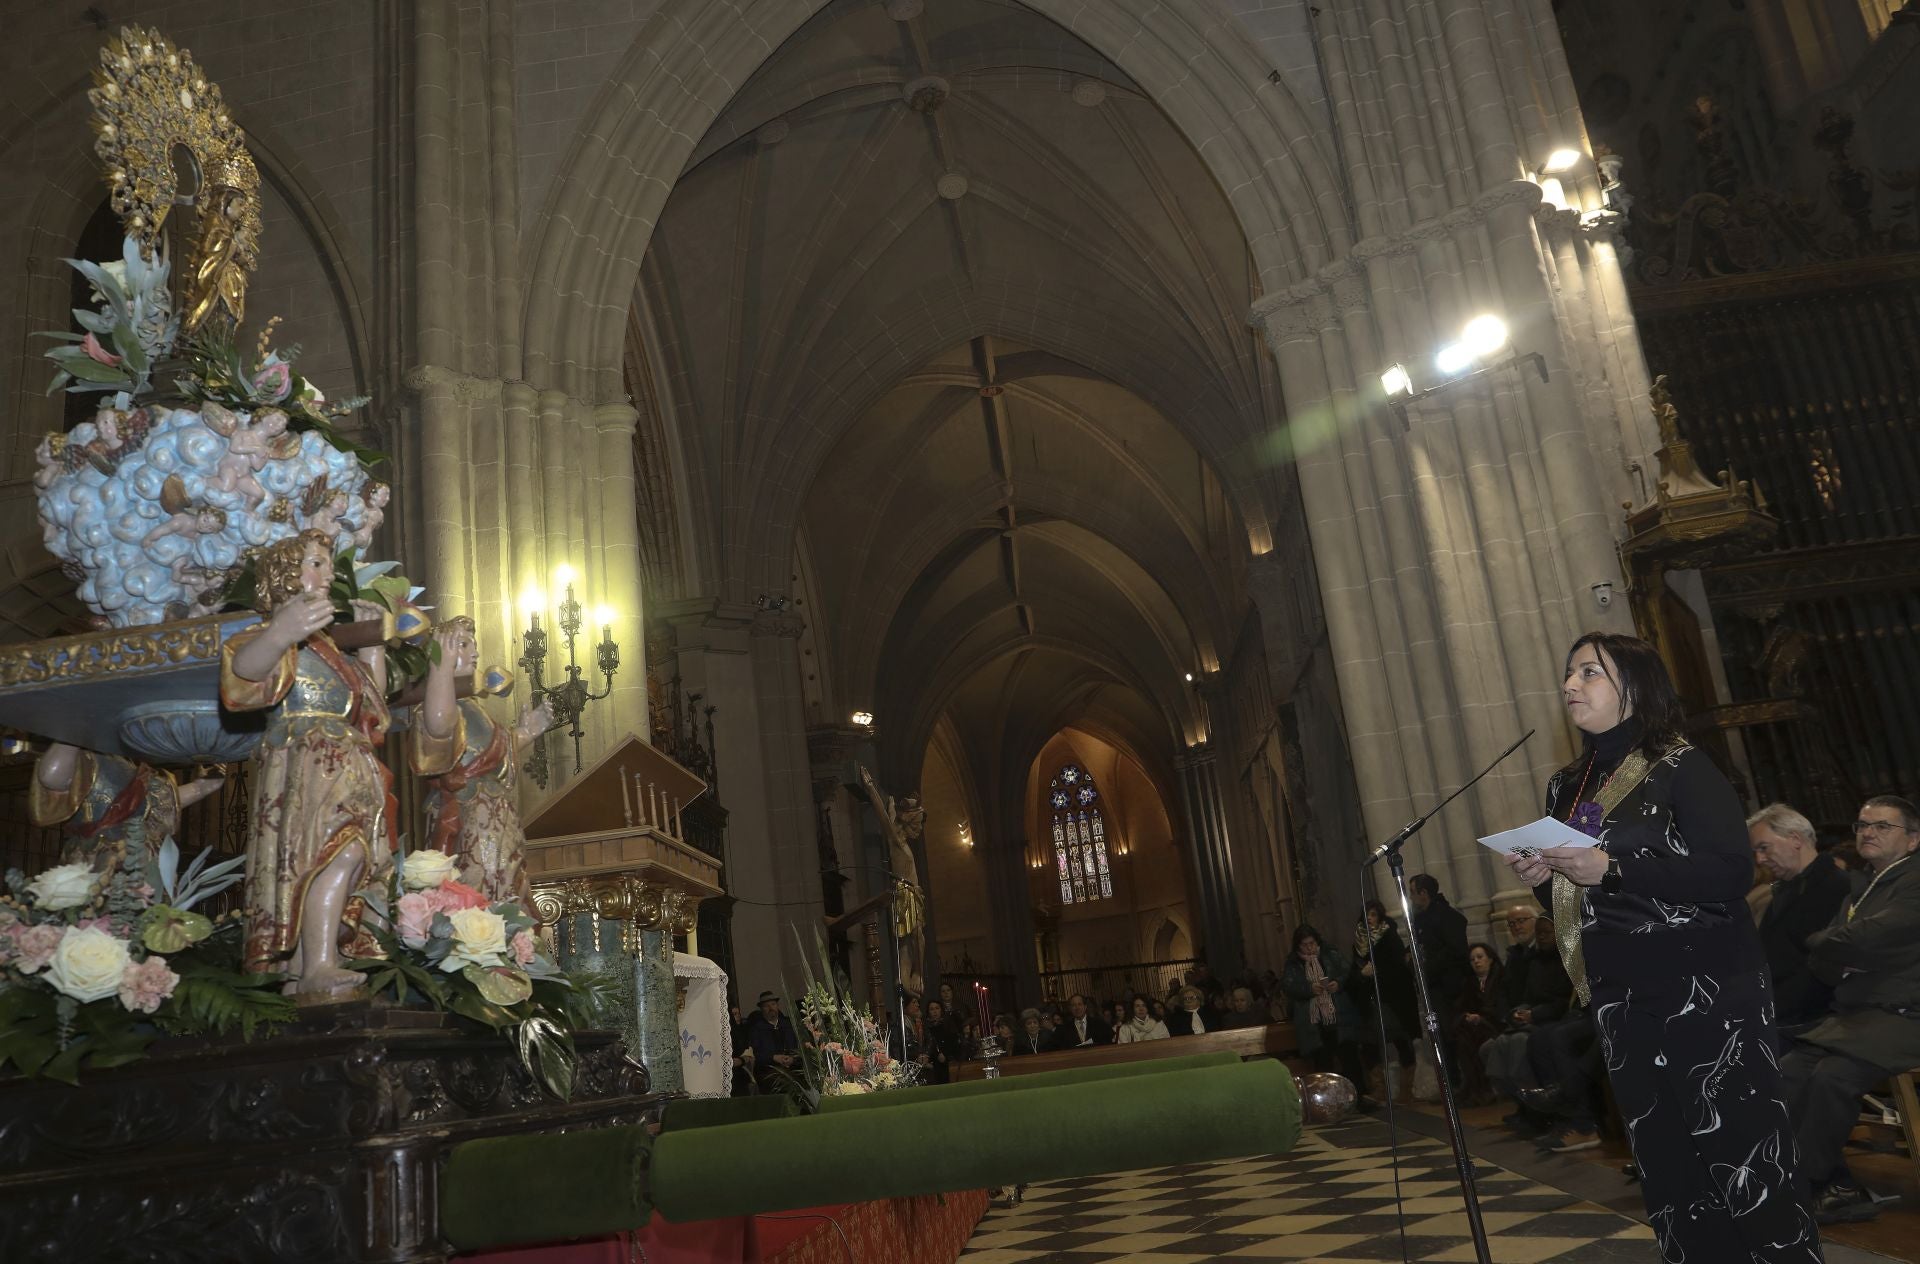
(1870, 956)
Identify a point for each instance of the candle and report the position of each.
(626, 803)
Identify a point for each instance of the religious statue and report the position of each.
(902, 825)
(322, 815)
(470, 761)
(111, 807)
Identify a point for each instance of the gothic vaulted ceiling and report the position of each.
(946, 307)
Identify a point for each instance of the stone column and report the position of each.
(774, 646)
(1212, 866)
(619, 577)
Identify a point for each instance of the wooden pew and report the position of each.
(1275, 1040)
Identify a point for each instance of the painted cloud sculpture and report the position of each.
(151, 510)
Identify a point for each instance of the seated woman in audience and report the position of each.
(1116, 1014)
(1003, 1032)
(1142, 1026)
(1192, 1017)
(1159, 1011)
(1477, 1018)
(1326, 1023)
(1032, 1039)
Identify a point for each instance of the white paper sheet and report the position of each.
(1543, 833)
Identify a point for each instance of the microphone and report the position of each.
(1411, 828)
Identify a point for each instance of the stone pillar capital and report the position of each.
(615, 418)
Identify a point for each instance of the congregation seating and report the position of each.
(1272, 1040)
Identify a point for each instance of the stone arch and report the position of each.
(691, 57)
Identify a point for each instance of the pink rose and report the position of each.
(881, 1060)
(416, 918)
(273, 383)
(147, 983)
(458, 895)
(523, 947)
(852, 1064)
(35, 946)
(91, 345)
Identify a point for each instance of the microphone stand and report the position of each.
(1390, 852)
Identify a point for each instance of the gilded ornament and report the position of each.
(151, 102)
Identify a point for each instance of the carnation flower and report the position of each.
(34, 945)
(451, 896)
(852, 1063)
(145, 984)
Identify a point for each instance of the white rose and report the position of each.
(63, 886)
(479, 938)
(424, 869)
(88, 964)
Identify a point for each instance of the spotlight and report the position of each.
(1561, 160)
(1189, 677)
(1453, 358)
(1396, 381)
(1484, 335)
(862, 719)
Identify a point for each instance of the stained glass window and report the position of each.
(1079, 837)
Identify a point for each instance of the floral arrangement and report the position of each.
(844, 1049)
(97, 962)
(200, 452)
(444, 943)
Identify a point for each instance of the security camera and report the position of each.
(1603, 593)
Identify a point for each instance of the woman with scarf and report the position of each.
(1326, 1022)
(1654, 929)
(1382, 978)
(1142, 1026)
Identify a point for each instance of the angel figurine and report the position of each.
(321, 815)
(470, 761)
(109, 805)
(249, 444)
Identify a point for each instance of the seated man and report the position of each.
(1082, 1028)
(1808, 889)
(774, 1043)
(1567, 1060)
(1870, 956)
(1538, 993)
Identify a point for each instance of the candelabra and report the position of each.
(570, 696)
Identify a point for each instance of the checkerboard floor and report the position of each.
(1330, 1200)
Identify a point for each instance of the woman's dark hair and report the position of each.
(1379, 910)
(1304, 931)
(1493, 972)
(1645, 688)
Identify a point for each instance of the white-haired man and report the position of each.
(1808, 889)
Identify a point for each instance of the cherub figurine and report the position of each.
(374, 496)
(195, 520)
(109, 805)
(320, 817)
(249, 444)
(471, 761)
(327, 518)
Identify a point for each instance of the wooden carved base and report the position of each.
(322, 1144)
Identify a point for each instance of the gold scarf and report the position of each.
(1567, 894)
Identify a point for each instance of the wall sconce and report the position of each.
(862, 719)
(966, 835)
(571, 696)
(1565, 158)
(1461, 360)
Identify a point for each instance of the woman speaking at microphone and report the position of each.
(1655, 933)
